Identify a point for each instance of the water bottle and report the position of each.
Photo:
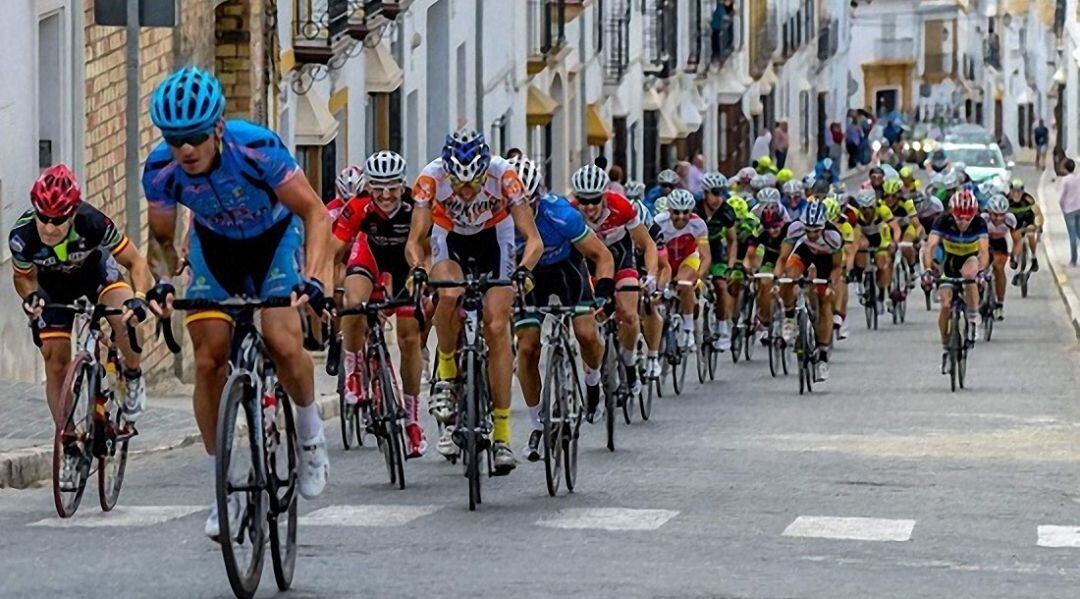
(269, 410)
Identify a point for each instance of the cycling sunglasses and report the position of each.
(194, 139)
(590, 200)
(679, 212)
(52, 220)
(717, 191)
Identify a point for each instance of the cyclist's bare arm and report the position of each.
(1038, 215)
(639, 235)
(894, 226)
(706, 258)
(1017, 243)
(162, 222)
(781, 261)
(26, 282)
(596, 252)
(141, 277)
(418, 236)
(984, 253)
(339, 249)
(928, 252)
(298, 196)
(732, 248)
(526, 225)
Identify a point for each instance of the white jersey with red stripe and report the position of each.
(500, 190)
(617, 219)
(681, 243)
(1003, 230)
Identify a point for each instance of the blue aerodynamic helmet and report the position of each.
(466, 155)
(187, 102)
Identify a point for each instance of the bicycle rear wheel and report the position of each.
(111, 467)
(554, 429)
(281, 463)
(571, 406)
(801, 354)
(954, 349)
(237, 481)
(346, 414)
(71, 438)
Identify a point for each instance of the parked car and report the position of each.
(968, 134)
(983, 161)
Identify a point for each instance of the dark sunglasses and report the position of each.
(195, 139)
(590, 200)
(52, 220)
(666, 186)
(717, 191)
(679, 212)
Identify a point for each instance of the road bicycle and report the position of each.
(958, 335)
(870, 291)
(743, 331)
(774, 333)
(806, 316)
(616, 387)
(987, 306)
(1023, 273)
(707, 354)
(902, 282)
(673, 352)
(257, 454)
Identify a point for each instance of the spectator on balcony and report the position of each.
(1042, 142)
(723, 20)
(780, 143)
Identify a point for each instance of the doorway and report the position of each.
(886, 101)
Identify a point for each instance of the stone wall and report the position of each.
(239, 61)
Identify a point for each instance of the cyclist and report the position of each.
(652, 325)
(666, 181)
(1029, 218)
(928, 205)
(876, 180)
(741, 181)
(561, 272)
(843, 219)
(812, 242)
(687, 239)
(64, 249)
(794, 195)
(784, 175)
(963, 235)
(468, 203)
(767, 197)
(716, 211)
(251, 207)
(373, 227)
(938, 161)
(747, 229)
(774, 226)
(1001, 226)
(911, 185)
(765, 166)
(905, 215)
(875, 230)
(615, 221)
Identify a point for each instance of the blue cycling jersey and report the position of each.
(560, 226)
(236, 198)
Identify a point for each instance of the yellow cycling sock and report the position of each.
(447, 366)
(501, 434)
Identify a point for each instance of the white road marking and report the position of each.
(856, 529)
(122, 515)
(609, 518)
(367, 515)
(1059, 536)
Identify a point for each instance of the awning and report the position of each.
(689, 112)
(768, 80)
(382, 75)
(597, 128)
(539, 107)
(315, 126)
(652, 100)
(617, 108)
(729, 90)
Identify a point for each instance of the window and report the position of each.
(319, 164)
(54, 94)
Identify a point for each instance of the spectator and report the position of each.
(761, 145)
(601, 162)
(682, 168)
(617, 176)
(780, 143)
(722, 28)
(513, 153)
(696, 175)
(853, 139)
(1042, 142)
(834, 145)
(1070, 207)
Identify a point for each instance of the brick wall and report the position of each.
(239, 57)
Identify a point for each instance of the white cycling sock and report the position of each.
(308, 422)
(687, 322)
(653, 353)
(592, 377)
(628, 356)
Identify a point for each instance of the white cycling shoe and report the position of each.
(314, 467)
(212, 528)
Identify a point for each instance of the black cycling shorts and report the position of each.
(567, 280)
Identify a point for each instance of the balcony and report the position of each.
(318, 29)
(896, 49)
(661, 37)
(763, 38)
(697, 35)
(546, 31)
(616, 51)
(828, 40)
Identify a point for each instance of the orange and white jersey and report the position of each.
(501, 189)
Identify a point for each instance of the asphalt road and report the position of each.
(880, 484)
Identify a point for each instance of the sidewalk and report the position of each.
(26, 431)
(1055, 241)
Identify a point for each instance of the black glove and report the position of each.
(160, 292)
(605, 294)
(35, 299)
(313, 288)
(138, 307)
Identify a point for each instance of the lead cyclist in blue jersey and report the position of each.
(255, 217)
(561, 272)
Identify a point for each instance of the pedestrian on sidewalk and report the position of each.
(1070, 207)
(780, 143)
(1042, 142)
(852, 139)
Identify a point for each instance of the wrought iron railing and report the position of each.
(317, 26)
(616, 22)
(546, 25)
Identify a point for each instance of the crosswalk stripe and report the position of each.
(608, 518)
(122, 515)
(855, 529)
(367, 515)
(1059, 536)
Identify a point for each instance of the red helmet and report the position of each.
(56, 193)
(963, 204)
(772, 216)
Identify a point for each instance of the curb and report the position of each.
(1061, 280)
(22, 468)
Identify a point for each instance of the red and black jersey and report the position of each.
(362, 215)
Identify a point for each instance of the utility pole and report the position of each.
(131, 145)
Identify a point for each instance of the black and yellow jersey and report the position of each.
(956, 242)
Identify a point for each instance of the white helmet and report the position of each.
(635, 190)
(661, 204)
(769, 195)
(668, 177)
(349, 182)
(794, 188)
(866, 198)
(714, 180)
(997, 204)
(385, 167)
(529, 173)
(680, 199)
(589, 181)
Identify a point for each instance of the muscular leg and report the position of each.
(210, 338)
(447, 323)
(57, 355)
(588, 337)
(999, 276)
(528, 360)
(626, 311)
(115, 298)
(295, 368)
(408, 335)
(498, 304)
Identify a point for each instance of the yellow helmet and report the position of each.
(784, 175)
(764, 162)
(832, 206)
(906, 172)
(892, 186)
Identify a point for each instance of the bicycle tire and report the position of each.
(111, 468)
(238, 399)
(774, 358)
(552, 421)
(391, 415)
(651, 387)
(1024, 284)
(571, 404)
(801, 352)
(929, 303)
(611, 388)
(345, 413)
(470, 407)
(961, 358)
(284, 562)
(76, 379)
(954, 348)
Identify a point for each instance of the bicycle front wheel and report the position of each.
(282, 464)
(554, 421)
(471, 408)
(394, 446)
(611, 387)
(241, 496)
(111, 466)
(72, 457)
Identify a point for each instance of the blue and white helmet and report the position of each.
(635, 190)
(187, 102)
(680, 199)
(816, 215)
(529, 173)
(714, 180)
(466, 155)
